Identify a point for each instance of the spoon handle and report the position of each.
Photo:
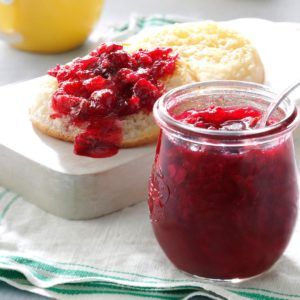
(276, 103)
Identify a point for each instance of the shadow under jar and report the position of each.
(223, 203)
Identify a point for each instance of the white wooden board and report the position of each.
(47, 173)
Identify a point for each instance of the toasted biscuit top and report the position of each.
(207, 51)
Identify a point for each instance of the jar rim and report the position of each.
(162, 116)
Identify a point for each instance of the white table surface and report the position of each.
(18, 66)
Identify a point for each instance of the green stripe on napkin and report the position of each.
(141, 22)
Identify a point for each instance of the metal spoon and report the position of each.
(276, 103)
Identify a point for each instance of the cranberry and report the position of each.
(61, 73)
(134, 103)
(86, 63)
(64, 104)
(94, 83)
(158, 53)
(109, 82)
(119, 59)
(103, 101)
(126, 76)
(106, 48)
(81, 113)
(73, 87)
(146, 91)
(143, 59)
(54, 71)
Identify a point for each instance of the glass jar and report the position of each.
(223, 204)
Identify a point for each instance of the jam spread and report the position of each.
(221, 118)
(223, 211)
(96, 91)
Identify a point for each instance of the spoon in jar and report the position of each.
(276, 103)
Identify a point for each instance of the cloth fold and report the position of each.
(116, 256)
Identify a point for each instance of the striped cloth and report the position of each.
(116, 256)
(113, 256)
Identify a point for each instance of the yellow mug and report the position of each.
(47, 26)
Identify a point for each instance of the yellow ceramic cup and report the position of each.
(47, 26)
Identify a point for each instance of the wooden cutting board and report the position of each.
(47, 173)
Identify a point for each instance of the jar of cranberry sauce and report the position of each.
(223, 192)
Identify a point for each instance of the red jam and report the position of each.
(223, 212)
(221, 118)
(106, 85)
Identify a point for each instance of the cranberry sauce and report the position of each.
(221, 211)
(221, 118)
(99, 89)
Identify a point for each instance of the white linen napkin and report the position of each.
(116, 255)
